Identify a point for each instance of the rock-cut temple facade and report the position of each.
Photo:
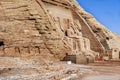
(53, 29)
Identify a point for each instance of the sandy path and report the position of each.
(103, 77)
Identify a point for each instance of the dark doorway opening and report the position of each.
(119, 55)
(107, 38)
(1, 43)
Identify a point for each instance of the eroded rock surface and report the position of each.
(36, 33)
(32, 28)
(51, 29)
(45, 28)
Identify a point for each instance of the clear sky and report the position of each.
(107, 12)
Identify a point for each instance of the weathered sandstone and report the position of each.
(51, 29)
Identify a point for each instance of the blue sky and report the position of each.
(107, 12)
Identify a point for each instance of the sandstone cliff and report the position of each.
(51, 29)
(107, 38)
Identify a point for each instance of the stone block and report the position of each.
(115, 54)
(86, 43)
(17, 52)
(24, 51)
(79, 59)
(34, 50)
(1, 51)
(81, 44)
(9, 51)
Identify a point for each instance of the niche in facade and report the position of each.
(119, 55)
(1, 43)
(107, 38)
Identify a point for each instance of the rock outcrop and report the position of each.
(51, 29)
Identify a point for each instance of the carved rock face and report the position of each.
(45, 28)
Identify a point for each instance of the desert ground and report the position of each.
(35, 69)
